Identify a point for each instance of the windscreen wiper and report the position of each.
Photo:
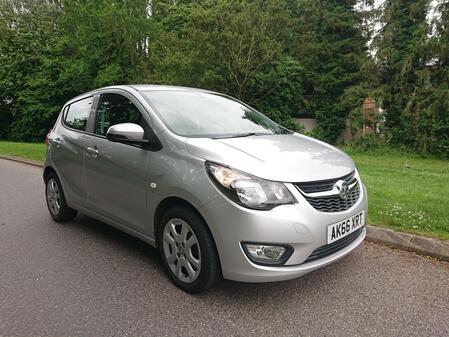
(283, 132)
(246, 134)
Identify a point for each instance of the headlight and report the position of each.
(247, 190)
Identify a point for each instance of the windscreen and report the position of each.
(203, 114)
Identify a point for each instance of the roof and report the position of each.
(147, 87)
(138, 87)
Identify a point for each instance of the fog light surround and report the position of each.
(267, 254)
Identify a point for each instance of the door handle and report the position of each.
(56, 141)
(93, 151)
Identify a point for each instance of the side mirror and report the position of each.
(128, 133)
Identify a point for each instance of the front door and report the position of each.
(117, 173)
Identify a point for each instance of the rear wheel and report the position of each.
(188, 250)
(56, 203)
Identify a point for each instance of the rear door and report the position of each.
(67, 143)
(117, 173)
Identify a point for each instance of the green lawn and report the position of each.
(34, 151)
(406, 192)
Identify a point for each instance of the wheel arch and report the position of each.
(165, 205)
(47, 171)
(170, 202)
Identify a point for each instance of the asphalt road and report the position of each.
(85, 278)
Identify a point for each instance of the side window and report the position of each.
(78, 113)
(115, 109)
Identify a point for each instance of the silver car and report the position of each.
(217, 187)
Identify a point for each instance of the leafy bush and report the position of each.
(285, 58)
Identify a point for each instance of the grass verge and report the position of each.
(33, 151)
(406, 192)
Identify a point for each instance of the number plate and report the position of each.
(345, 227)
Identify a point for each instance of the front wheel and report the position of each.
(188, 250)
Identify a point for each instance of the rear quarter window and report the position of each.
(77, 114)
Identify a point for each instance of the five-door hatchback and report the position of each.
(219, 188)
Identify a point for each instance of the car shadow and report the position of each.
(318, 280)
(119, 239)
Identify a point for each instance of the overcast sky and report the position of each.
(376, 25)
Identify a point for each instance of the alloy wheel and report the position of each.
(53, 197)
(182, 250)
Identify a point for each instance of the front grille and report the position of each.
(330, 203)
(335, 203)
(333, 247)
(323, 185)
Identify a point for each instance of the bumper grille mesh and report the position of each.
(330, 203)
(333, 247)
(335, 204)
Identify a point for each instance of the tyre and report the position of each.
(56, 203)
(188, 250)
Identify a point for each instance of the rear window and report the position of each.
(78, 113)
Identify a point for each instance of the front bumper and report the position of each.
(300, 226)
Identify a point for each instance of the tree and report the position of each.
(400, 54)
(235, 47)
(433, 92)
(332, 49)
(52, 51)
(27, 33)
(284, 58)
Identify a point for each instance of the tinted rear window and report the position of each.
(78, 114)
